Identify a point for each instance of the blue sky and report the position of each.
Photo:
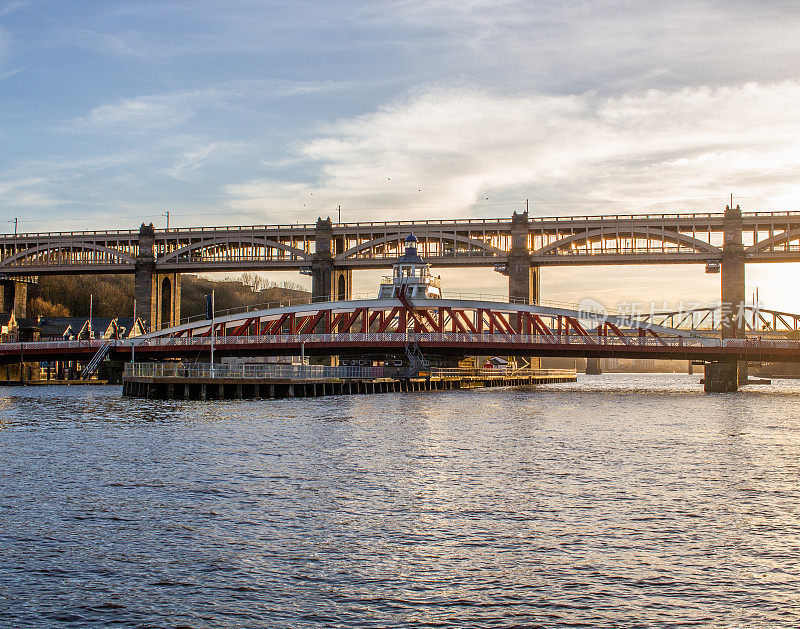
(274, 112)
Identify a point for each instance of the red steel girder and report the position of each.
(239, 331)
(455, 318)
(387, 319)
(541, 326)
(310, 322)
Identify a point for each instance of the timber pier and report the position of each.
(268, 381)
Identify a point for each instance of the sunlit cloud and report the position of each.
(606, 45)
(453, 148)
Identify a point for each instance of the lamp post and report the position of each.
(212, 333)
(133, 327)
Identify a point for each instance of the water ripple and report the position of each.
(624, 501)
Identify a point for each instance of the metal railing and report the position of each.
(504, 221)
(498, 372)
(272, 371)
(401, 338)
(413, 280)
(466, 339)
(252, 371)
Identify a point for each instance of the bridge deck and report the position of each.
(455, 344)
(441, 326)
(571, 240)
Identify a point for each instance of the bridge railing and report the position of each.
(461, 338)
(470, 338)
(399, 339)
(252, 371)
(389, 225)
(86, 344)
(312, 372)
(498, 372)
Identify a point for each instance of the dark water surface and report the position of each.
(620, 501)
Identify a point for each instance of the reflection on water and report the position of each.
(621, 501)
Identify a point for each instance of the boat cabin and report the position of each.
(411, 274)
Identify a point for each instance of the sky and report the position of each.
(259, 112)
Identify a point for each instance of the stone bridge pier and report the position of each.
(725, 376)
(732, 294)
(329, 283)
(732, 290)
(523, 276)
(158, 295)
(14, 297)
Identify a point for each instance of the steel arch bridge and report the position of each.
(550, 241)
(755, 319)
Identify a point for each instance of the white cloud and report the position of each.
(172, 109)
(6, 41)
(454, 147)
(28, 192)
(608, 45)
(138, 111)
(197, 156)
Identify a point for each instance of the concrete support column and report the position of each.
(14, 298)
(732, 293)
(327, 282)
(593, 367)
(158, 295)
(322, 263)
(721, 377)
(523, 277)
(732, 280)
(144, 272)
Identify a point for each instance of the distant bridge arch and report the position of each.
(447, 239)
(59, 253)
(228, 244)
(598, 235)
(766, 245)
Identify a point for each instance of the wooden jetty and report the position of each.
(200, 382)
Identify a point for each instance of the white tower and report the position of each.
(412, 273)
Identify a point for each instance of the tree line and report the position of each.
(112, 295)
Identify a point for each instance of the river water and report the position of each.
(619, 501)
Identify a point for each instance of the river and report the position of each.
(620, 500)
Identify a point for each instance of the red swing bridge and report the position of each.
(440, 330)
(336, 324)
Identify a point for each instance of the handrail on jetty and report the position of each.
(278, 371)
